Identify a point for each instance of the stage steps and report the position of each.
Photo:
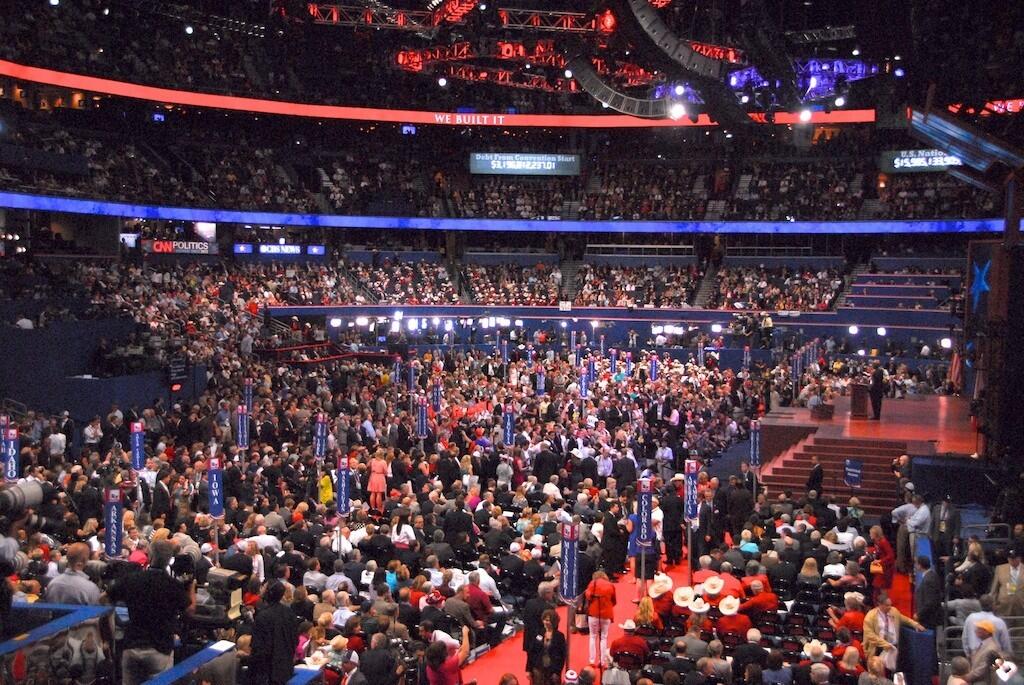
(877, 493)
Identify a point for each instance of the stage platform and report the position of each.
(922, 427)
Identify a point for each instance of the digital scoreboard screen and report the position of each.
(909, 161)
(523, 164)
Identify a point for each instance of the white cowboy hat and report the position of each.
(660, 585)
(729, 605)
(713, 585)
(678, 476)
(815, 646)
(699, 606)
(628, 625)
(854, 595)
(683, 596)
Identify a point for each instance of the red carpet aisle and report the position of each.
(509, 657)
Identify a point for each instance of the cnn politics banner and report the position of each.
(178, 247)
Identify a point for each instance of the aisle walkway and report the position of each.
(510, 658)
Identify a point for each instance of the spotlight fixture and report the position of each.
(854, 330)
(189, 30)
(568, 73)
(677, 111)
(442, 82)
(840, 101)
(805, 115)
(680, 90)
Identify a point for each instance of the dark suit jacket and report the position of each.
(532, 626)
(928, 600)
(816, 478)
(744, 654)
(275, 634)
(556, 652)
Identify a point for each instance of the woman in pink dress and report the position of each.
(378, 483)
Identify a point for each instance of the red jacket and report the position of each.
(479, 603)
(601, 597)
(748, 580)
(760, 603)
(630, 643)
(737, 624)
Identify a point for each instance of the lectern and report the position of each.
(858, 400)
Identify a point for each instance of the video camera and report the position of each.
(15, 499)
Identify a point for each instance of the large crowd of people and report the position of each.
(373, 177)
(537, 285)
(616, 286)
(776, 289)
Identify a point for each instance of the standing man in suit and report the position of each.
(673, 507)
(748, 477)
(275, 634)
(162, 505)
(817, 476)
(928, 595)
(705, 538)
(876, 390)
(945, 526)
(1008, 585)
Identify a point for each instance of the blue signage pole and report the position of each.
(691, 468)
(247, 395)
(602, 345)
(138, 445)
(541, 381)
(216, 480)
(645, 536)
(531, 354)
(654, 368)
(421, 419)
(242, 428)
(344, 501)
(629, 363)
(508, 425)
(572, 341)
(435, 394)
(700, 354)
(396, 371)
(584, 383)
(613, 361)
(591, 370)
(755, 444)
(569, 581)
(320, 437)
(113, 515)
(12, 455)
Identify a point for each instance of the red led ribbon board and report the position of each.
(93, 84)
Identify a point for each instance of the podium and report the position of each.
(858, 401)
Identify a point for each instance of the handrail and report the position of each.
(185, 668)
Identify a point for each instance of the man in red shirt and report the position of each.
(732, 621)
(480, 606)
(629, 642)
(760, 602)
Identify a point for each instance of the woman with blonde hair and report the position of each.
(646, 615)
(377, 485)
(850, 663)
(883, 564)
(809, 572)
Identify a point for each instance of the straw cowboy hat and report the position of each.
(713, 585)
(815, 648)
(699, 606)
(729, 605)
(683, 596)
(660, 585)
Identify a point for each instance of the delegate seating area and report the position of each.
(640, 286)
(774, 289)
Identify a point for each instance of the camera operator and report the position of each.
(380, 664)
(155, 601)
